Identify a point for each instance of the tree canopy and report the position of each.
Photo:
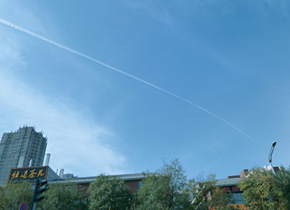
(281, 189)
(165, 189)
(68, 196)
(109, 192)
(12, 195)
(265, 190)
(208, 196)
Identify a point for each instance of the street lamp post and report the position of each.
(270, 155)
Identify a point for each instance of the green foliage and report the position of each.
(13, 195)
(154, 193)
(265, 190)
(221, 200)
(257, 188)
(166, 189)
(68, 196)
(108, 192)
(281, 189)
(208, 196)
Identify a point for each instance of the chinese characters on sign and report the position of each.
(27, 174)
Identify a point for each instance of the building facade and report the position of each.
(22, 148)
(133, 181)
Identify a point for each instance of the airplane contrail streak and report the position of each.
(7, 23)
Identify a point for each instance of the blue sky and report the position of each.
(231, 58)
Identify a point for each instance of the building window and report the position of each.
(238, 198)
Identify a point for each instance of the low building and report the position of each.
(230, 185)
(133, 181)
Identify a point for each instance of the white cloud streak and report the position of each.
(7, 23)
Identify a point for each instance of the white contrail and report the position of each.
(122, 72)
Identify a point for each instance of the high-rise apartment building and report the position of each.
(22, 148)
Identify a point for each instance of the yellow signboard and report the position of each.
(28, 174)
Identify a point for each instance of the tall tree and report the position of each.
(258, 188)
(165, 189)
(12, 195)
(108, 192)
(67, 196)
(208, 196)
(281, 189)
(265, 190)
